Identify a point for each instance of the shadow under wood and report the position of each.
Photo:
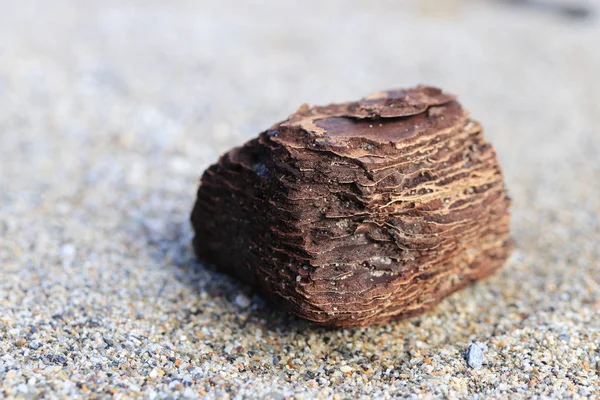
(174, 250)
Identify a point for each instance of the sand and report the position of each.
(111, 110)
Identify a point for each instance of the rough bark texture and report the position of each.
(359, 213)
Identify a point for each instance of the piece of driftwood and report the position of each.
(358, 213)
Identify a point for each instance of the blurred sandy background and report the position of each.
(111, 110)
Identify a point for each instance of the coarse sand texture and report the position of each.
(111, 110)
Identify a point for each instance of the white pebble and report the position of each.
(242, 300)
(68, 250)
(474, 356)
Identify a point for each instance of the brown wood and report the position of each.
(359, 213)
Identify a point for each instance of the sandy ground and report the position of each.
(110, 111)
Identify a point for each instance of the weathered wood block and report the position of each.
(358, 213)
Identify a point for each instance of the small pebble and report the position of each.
(68, 251)
(242, 301)
(108, 340)
(564, 337)
(60, 359)
(474, 356)
(275, 396)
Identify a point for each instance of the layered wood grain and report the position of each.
(358, 213)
